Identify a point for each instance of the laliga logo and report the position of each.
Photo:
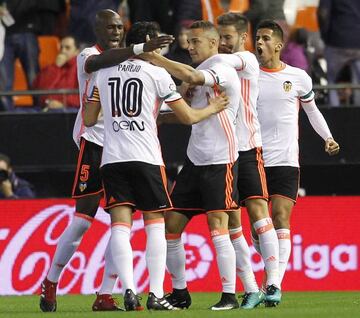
(198, 256)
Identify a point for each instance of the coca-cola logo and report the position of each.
(27, 256)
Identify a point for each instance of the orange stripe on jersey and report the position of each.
(261, 170)
(225, 123)
(249, 118)
(164, 180)
(84, 216)
(154, 221)
(81, 152)
(83, 99)
(156, 107)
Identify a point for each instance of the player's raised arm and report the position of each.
(109, 31)
(190, 116)
(181, 71)
(115, 56)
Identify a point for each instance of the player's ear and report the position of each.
(214, 42)
(278, 47)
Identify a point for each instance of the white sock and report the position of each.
(122, 255)
(226, 260)
(67, 245)
(256, 244)
(284, 250)
(175, 260)
(110, 276)
(269, 247)
(156, 255)
(243, 262)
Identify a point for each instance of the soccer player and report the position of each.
(283, 89)
(87, 189)
(207, 182)
(252, 187)
(130, 95)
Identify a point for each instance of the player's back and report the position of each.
(130, 95)
(213, 140)
(278, 108)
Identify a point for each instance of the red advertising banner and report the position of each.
(325, 254)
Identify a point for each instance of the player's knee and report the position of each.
(257, 209)
(234, 219)
(217, 220)
(281, 220)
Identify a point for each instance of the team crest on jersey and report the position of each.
(82, 186)
(287, 86)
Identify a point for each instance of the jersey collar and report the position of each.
(272, 70)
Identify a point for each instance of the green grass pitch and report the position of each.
(294, 304)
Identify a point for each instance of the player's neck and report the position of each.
(272, 64)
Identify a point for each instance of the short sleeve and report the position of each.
(92, 91)
(220, 74)
(306, 93)
(167, 88)
(234, 60)
(82, 58)
(94, 96)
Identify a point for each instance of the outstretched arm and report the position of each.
(183, 72)
(113, 57)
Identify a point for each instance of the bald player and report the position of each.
(87, 189)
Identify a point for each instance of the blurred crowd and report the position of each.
(318, 34)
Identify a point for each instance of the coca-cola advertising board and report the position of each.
(324, 233)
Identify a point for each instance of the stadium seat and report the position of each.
(49, 46)
(20, 83)
(211, 9)
(239, 5)
(306, 18)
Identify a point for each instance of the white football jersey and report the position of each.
(247, 124)
(94, 134)
(281, 91)
(213, 140)
(131, 94)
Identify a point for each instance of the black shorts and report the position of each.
(199, 189)
(87, 176)
(283, 181)
(140, 185)
(251, 176)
